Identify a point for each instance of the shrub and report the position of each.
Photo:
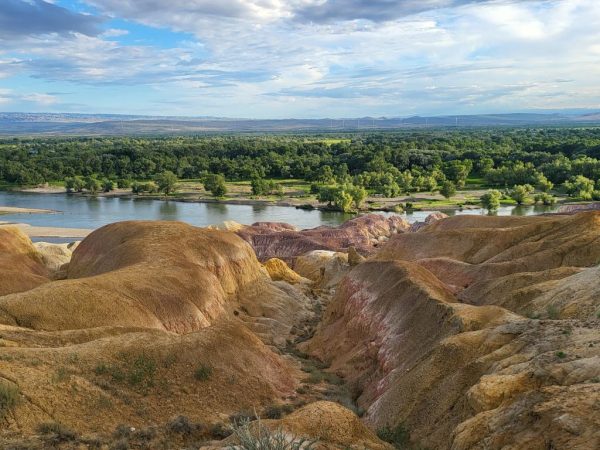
(277, 411)
(545, 198)
(521, 193)
(491, 200)
(220, 431)
(142, 371)
(123, 183)
(552, 312)
(261, 438)
(448, 189)
(561, 355)
(182, 425)
(9, 397)
(56, 432)
(203, 372)
(398, 436)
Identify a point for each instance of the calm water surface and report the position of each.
(74, 211)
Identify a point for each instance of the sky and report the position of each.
(299, 58)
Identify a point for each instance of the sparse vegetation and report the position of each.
(203, 372)
(136, 370)
(184, 426)
(277, 411)
(256, 436)
(552, 312)
(9, 398)
(398, 436)
(55, 433)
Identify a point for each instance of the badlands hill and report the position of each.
(468, 332)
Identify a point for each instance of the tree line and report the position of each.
(339, 166)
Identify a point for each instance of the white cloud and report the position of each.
(255, 58)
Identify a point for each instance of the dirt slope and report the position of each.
(478, 375)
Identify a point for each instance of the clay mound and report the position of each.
(365, 233)
(279, 271)
(164, 275)
(21, 267)
(54, 256)
(330, 424)
(431, 218)
(467, 251)
(94, 380)
(324, 267)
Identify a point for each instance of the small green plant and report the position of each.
(9, 398)
(61, 375)
(398, 436)
(142, 371)
(203, 372)
(561, 355)
(552, 312)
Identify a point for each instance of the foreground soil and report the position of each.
(468, 332)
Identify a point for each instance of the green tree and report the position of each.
(358, 194)
(342, 200)
(166, 182)
(108, 185)
(580, 187)
(74, 184)
(522, 193)
(543, 183)
(258, 186)
(215, 184)
(544, 198)
(448, 189)
(91, 184)
(124, 183)
(491, 200)
(406, 180)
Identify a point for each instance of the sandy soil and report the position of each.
(54, 232)
(15, 210)
(45, 190)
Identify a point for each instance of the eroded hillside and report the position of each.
(461, 333)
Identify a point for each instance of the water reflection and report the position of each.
(89, 212)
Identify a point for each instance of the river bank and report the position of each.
(239, 195)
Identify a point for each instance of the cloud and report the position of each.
(183, 14)
(321, 11)
(8, 96)
(20, 18)
(276, 58)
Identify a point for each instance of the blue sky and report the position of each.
(299, 58)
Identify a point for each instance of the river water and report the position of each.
(74, 211)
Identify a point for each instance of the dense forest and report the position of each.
(386, 163)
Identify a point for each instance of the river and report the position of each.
(74, 211)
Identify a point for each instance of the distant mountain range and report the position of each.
(12, 124)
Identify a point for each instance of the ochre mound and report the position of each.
(279, 271)
(164, 275)
(21, 266)
(520, 255)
